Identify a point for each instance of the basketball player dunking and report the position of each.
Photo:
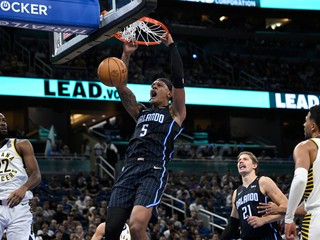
(245, 200)
(19, 173)
(143, 179)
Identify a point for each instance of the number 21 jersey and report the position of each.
(247, 200)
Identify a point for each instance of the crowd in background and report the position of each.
(270, 62)
(221, 69)
(71, 207)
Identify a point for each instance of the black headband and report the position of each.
(167, 82)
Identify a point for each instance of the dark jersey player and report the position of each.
(246, 199)
(139, 187)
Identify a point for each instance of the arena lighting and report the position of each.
(223, 18)
(274, 23)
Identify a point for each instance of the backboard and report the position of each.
(67, 45)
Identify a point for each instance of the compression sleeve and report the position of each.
(176, 67)
(297, 188)
(231, 229)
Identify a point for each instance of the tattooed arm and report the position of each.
(127, 97)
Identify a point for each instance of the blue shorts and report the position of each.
(139, 183)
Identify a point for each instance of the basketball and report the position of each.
(112, 71)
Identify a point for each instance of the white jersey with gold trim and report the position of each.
(13, 173)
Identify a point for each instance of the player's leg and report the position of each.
(152, 183)
(20, 226)
(310, 226)
(116, 218)
(138, 222)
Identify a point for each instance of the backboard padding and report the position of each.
(109, 25)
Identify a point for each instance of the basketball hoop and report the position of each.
(146, 31)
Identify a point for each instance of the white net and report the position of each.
(144, 32)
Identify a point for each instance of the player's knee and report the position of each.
(136, 229)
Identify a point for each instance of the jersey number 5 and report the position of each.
(144, 130)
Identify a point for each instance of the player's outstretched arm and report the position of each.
(127, 97)
(178, 92)
(272, 208)
(271, 190)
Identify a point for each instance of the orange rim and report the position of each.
(118, 35)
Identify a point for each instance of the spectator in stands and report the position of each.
(54, 185)
(53, 226)
(66, 204)
(196, 205)
(60, 215)
(263, 156)
(81, 184)
(47, 211)
(91, 229)
(64, 233)
(203, 230)
(93, 188)
(65, 151)
(227, 179)
(66, 185)
(82, 203)
(38, 222)
(170, 231)
(229, 198)
(155, 231)
(215, 236)
(106, 183)
(86, 149)
(55, 150)
(59, 235)
(79, 233)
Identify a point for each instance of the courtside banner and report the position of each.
(95, 90)
(293, 100)
(70, 16)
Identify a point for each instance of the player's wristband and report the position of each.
(231, 229)
(176, 67)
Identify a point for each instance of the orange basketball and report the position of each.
(112, 71)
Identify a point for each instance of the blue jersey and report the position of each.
(247, 200)
(153, 138)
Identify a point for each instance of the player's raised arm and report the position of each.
(128, 98)
(178, 92)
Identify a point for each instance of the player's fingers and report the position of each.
(261, 205)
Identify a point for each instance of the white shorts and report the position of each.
(310, 227)
(17, 221)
